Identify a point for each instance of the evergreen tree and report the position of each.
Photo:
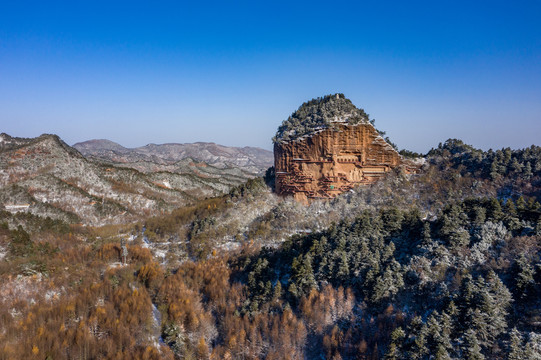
(495, 301)
(303, 274)
(442, 353)
(494, 170)
(521, 204)
(395, 348)
(342, 273)
(484, 307)
(495, 212)
(516, 166)
(533, 347)
(438, 342)
(277, 292)
(511, 216)
(524, 278)
(175, 337)
(515, 351)
(418, 346)
(533, 205)
(470, 348)
(427, 238)
(527, 174)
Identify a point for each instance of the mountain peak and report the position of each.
(318, 114)
(102, 144)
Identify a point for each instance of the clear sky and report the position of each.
(229, 72)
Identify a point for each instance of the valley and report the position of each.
(188, 252)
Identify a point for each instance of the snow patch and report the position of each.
(14, 313)
(230, 245)
(160, 253)
(17, 207)
(146, 243)
(156, 326)
(115, 265)
(52, 295)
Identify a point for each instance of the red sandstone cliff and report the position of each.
(331, 161)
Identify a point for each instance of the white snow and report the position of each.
(146, 243)
(17, 207)
(115, 265)
(230, 245)
(51, 295)
(160, 253)
(157, 325)
(14, 313)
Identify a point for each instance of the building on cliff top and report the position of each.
(327, 147)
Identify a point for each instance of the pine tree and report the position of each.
(395, 347)
(516, 166)
(342, 273)
(521, 204)
(484, 307)
(533, 205)
(495, 212)
(510, 209)
(494, 170)
(427, 238)
(448, 319)
(515, 351)
(537, 166)
(496, 304)
(533, 347)
(175, 337)
(303, 274)
(524, 278)
(480, 215)
(511, 216)
(438, 341)
(470, 348)
(442, 353)
(277, 293)
(418, 346)
(527, 171)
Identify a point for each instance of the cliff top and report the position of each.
(318, 114)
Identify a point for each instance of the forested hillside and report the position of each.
(443, 264)
(318, 114)
(45, 177)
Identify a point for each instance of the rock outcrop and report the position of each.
(333, 157)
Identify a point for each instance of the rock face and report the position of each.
(332, 160)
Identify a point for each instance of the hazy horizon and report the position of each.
(230, 73)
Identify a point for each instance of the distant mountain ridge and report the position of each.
(249, 159)
(46, 177)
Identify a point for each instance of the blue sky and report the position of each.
(143, 72)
